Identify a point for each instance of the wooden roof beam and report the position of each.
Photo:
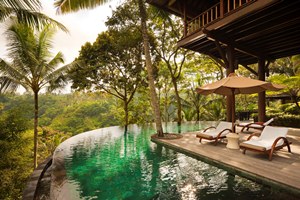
(250, 69)
(236, 46)
(222, 53)
(171, 2)
(269, 30)
(217, 60)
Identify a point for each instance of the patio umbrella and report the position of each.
(233, 84)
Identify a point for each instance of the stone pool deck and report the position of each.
(281, 173)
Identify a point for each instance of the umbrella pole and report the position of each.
(233, 110)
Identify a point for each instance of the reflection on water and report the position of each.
(108, 164)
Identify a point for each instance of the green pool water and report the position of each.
(108, 164)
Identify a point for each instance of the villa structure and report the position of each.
(239, 33)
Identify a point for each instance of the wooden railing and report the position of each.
(213, 13)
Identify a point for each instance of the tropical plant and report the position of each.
(292, 84)
(31, 64)
(26, 11)
(286, 71)
(23, 11)
(15, 151)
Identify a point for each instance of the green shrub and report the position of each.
(15, 153)
(291, 109)
(282, 119)
(287, 120)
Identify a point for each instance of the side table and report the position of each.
(233, 141)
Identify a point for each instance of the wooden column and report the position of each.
(185, 23)
(230, 69)
(221, 8)
(261, 95)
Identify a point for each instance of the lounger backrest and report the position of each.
(268, 122)
(270, 133)
(223, 125)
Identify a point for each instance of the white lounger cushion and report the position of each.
(251, 125)
(268, 122)
(268, 136)
(221, 126)
(257, 125)
(214, 132)
(224, 125)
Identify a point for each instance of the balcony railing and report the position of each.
(218, 11)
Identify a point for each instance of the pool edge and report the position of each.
(231, 169)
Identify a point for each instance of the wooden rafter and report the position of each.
(250, 69)
(227, 42)
(222, 53)
(219, 61)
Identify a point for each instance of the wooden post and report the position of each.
(185, 21)
(221, 8)
(261, 95)
(230, 69)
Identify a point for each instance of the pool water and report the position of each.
(108, 164)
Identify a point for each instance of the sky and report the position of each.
(84, 26)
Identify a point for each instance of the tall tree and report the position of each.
(168, 32)
(31, 64)
(114, 62)
(154, 99)
(73, 5)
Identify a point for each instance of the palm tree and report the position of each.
(32, 65)
(26, 11)
(73, 5)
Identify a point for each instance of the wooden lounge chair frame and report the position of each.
(219, 136)
(262, 124)
(273, 148)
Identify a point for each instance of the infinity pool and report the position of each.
(108, 164)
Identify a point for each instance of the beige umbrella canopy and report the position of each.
(234, 84)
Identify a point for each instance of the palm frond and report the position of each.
(7, 85)
(67, 6)
(5, 12)
(44, 42)
(58, 59)
(24, 4)
(11, 75)
(21, 47)
(29, 17)
(58, 78)
(51, 66)
(38, 20)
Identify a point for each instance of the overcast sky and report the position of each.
(83, 26)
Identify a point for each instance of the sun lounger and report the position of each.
(215, 133)
(255, 125)
(270, 140)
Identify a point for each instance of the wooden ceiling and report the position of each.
(270, 31)
(194, 8)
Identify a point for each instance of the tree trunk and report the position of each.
(126, 116)
(154, 101)
(166, 105)
(198, 115)
(295, 100)
(179, 109)
(35, 137)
